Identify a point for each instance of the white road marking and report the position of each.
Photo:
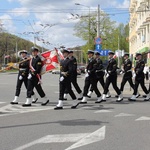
(124, 115)
(91, 138)
(103, 111)
(2, 102)
(86, 107)
(17, 109)
(143, 118)
(81, 139)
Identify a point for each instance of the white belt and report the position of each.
(129, 70)
(98, 70)
(22, 69)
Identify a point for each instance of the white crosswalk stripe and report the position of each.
(143, 118)
(103, 111)
(2, 102)
(18, 109)
(124, 115)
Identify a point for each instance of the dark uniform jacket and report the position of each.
(66, 67)
(74, 66)
(36, 63)
(24, 68)
(99, 68)
(112, 67)
(91, 68)
(127, 66)
(139, 69)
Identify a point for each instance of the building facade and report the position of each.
(139, 36)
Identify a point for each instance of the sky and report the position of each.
(52, 21)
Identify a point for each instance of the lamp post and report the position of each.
(89, 21)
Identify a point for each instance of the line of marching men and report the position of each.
(29, 74)
(95, 73)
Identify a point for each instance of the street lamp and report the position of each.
(89, 21)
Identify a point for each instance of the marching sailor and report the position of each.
(90, 78)
(127, 73)
(34, 79)
(111, 77)
(22, 76)
(139, 78)
(74, 77)
(65, 81)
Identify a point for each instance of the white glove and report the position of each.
(20, 77)
(105, 72)
(121, 72)
(61, 79)
(86, 75)
(134, 75)
(107, 75)
(29, 76)
(64, 73)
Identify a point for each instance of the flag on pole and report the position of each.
(7, 56)
(49, 61)
(60, 55)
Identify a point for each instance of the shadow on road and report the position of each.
(77, 122)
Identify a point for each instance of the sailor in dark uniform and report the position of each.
(111, 77)
(139, 78)
(34, 79)
(65, 81)
(127, 73)
(74, 76)
(99, 74)
(22, 76)
(90, 78)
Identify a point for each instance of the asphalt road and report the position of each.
(106, 126)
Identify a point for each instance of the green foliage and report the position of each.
(113, 36)
(8, 45)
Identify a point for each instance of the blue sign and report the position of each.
(104, 52)
(98, 47)
(98, 40)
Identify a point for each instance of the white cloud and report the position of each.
(23, 12)
(125, 4)
(8, 23)
(58, 12)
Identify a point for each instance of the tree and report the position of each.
(110, 32)
(8, 45)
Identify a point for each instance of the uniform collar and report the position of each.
(66, 58)
(126, 60)
(90, 58)
(111, 59)
(35, 56)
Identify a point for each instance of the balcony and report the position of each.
(148, 19)
(142, 2)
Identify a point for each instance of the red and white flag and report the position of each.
(49, 60)
(7, 56)
(60, 55)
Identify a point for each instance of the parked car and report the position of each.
(78, 71)
(56, 72)
(82, 69)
